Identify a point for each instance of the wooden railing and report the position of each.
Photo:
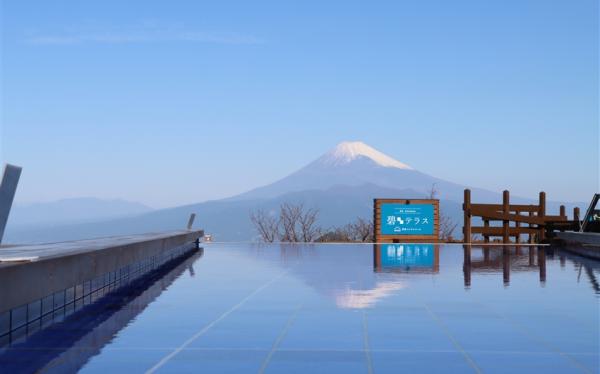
(516, 219)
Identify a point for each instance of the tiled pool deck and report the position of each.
(338, 309)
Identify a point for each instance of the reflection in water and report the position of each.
(360, 299)
(507, 258)
(340, 272)
(68, 345)
(397, 258)
(583, 264)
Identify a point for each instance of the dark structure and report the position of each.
(515, 219)
(8, 188)
(591, 221)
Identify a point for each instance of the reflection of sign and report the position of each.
(402, 255)
(403, 219)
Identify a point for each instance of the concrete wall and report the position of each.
(26, 282)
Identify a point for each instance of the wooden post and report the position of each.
(467, 266)
(506, 265)
(375, 222)
(467, 213)
(486, 224)
(377, 257)
(576, 218)
(531, 257)
(517, 235)
(505, 222)
(531, 235)
(563, 213)
(542, 216)
(542, 264)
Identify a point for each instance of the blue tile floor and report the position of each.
(336, 309)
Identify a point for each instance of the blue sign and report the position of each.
(402, 255)
(406, 219)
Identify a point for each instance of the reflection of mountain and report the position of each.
(354, 275)
(345, 274)
(360, 299)
(58, 348)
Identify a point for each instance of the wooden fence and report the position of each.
(516, 220)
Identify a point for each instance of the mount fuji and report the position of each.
(341, 184)
(356, 164)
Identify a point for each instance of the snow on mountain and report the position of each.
(356, 164)
(346, 152)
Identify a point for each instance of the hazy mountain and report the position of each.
(74, 210)
(356, 164)
(228, 220)
(341, 184)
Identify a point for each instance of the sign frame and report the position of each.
(399, 238)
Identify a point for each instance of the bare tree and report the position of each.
(361, 230)
(307, 220)
(266, 224)
(335, 235)
(447, 225)
(295, 223)
(433, 192)
(289, 215)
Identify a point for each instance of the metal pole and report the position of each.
(191, 221)
(8, 188)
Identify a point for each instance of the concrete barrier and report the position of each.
(36, 279)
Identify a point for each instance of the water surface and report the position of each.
(336, 309)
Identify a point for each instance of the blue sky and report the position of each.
(172, 102)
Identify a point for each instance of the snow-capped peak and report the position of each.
(347, 152)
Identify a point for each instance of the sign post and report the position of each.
(406, 220)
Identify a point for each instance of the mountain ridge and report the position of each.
(341, 184)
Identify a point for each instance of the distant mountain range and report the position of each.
(71, 211)
(341, 184)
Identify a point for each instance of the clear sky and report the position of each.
(172, 102)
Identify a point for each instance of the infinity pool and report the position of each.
(334, 309)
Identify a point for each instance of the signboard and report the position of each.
(414, 220)
(402, 219)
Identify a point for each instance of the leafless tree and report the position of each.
(433, 192)
(307, 221)
(335, 235)
(294, 223)
(447, 225)
(361, 230)
(266, 224)
(289, 215)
